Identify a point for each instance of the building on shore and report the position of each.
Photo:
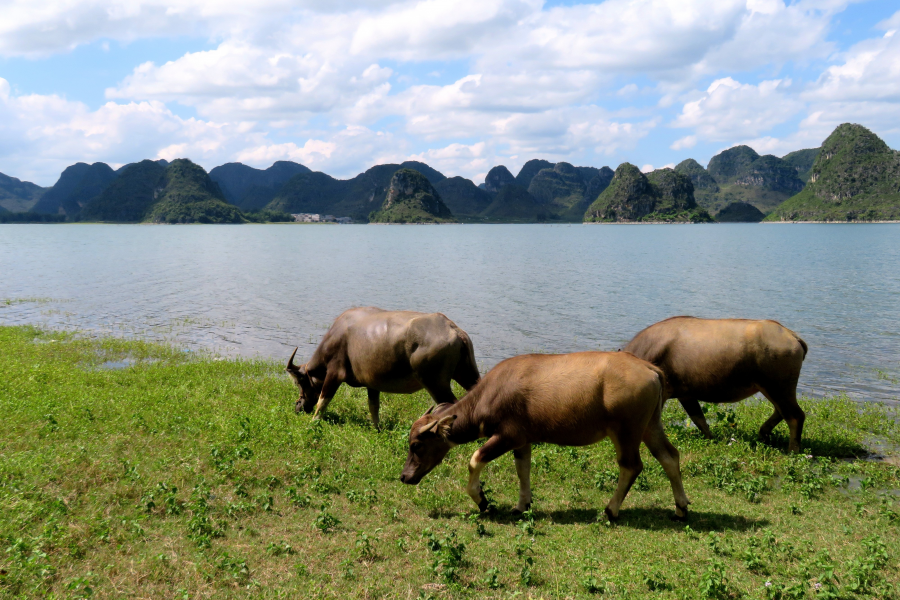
(317, 218)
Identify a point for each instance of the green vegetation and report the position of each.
(496, 178)
(664, 195)
(30, 217)
(320, 193)
(856, 177)
(462, 196)
(740, 175)
(180, 476)
(561, 189)
(530, 169)
(130, 197)
(802, 161)
(251, 189)
(190, 196)
(739, 212)
(17, 195)
(268, 216)
(412, 199)
(513, 203)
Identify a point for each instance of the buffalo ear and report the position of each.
(444, 425)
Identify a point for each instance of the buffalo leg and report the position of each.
(766, 430)
(491, 449)
(628, 453)
(522, 458)
(441, 393)
(374, 405)
(329, 388)
(667, 455)
(692, 408)
(786, 404)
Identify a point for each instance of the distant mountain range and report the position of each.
(854, 176)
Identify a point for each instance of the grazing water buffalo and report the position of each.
(397, 352)
(727, 360)
(565, 399)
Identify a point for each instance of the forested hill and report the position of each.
(854, 176)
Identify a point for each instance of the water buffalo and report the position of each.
(565, 399)
(727, 360)
(397, 352)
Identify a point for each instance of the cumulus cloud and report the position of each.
(334, 83)
(40, 135)
(342, 154)
(729, 109)
(467, 160)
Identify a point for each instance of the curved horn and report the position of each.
(428, 427)
(291, 359)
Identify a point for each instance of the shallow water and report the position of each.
(263, 289)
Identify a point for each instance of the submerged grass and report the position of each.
(184, 477)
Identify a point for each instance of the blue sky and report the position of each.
(463, 85)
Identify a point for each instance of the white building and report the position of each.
(317, 218)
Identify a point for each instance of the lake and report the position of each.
(260, 290)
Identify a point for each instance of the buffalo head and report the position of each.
(429, 443)
(310, 387)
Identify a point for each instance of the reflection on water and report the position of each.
(263, 289)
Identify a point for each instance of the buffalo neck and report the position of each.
(466, 428)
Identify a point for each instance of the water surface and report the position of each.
(263, 289)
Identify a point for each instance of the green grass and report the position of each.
(185, 477)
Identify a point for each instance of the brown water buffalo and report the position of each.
(397, 352)
(727, 360)
(565, 399)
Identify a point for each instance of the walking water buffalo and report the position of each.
(397, 352)
(565, 399)
(727, 360)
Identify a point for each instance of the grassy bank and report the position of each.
(178, 477)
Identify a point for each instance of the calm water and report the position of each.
(261, 290)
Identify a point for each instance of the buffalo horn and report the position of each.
(428, 427)
(290, 364)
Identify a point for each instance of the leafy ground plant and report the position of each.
(183, 476)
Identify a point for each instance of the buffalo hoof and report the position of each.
(677, 519)
(612, 518)
(518, 513)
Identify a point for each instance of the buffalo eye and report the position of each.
(415, 447)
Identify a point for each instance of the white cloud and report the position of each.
(729, 109)
(870, 71)
(342, 154)
(688, 141)
(315, 80)
(647, 168)
(468, 160)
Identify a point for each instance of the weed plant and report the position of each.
(189, 477)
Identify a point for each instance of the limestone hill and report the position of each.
(856, 177)
(463, 197)
(17, 195)
(77, 185)
(188, 195)
(513, 204)
(182, 192)
(249, 188)
(411, 199)
(739, 212)
(664, 195)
